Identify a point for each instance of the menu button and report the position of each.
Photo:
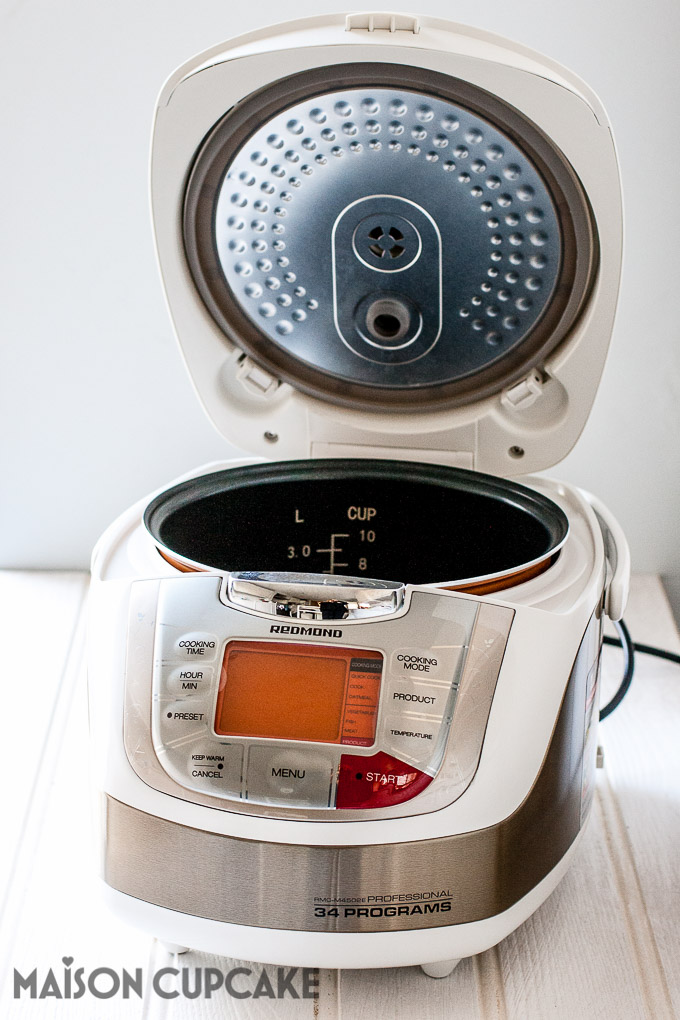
(282, 776)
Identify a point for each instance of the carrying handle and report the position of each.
(618, 557)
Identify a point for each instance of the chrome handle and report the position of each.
(313, 596)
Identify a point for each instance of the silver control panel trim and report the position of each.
(465, 699)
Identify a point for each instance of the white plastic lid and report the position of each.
(372, 257)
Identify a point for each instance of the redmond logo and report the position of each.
(167, 983)
(305, 631)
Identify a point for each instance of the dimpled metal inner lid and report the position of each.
(386, 238)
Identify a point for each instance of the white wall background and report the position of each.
(96, 409)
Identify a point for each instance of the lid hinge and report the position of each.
(382, 21)
(255, 379)
(524, 393)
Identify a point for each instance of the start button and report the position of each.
(377, 780)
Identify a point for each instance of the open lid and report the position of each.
(365, 254)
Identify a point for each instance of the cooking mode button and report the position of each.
(196, 647)
(289, 777)
(438, 663)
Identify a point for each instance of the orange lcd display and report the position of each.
(299, 692)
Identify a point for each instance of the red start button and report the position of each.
(377, 781)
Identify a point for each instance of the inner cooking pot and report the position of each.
(407, 522)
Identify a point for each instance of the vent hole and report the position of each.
(397, 250)
(396, 235)
(387, 319)
(376, 250)
(376, 233)
(386, 325)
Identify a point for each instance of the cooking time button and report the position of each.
(196, 646)
(438, 663)
(289, 777)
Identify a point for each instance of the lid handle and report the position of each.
(618, 558)
(312, 596)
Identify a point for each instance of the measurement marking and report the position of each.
(333, 550)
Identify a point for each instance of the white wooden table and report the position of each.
(605, 945)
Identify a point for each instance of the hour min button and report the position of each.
(190, 679)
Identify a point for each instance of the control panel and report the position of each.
(304, 713)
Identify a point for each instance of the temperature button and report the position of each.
(414, 739)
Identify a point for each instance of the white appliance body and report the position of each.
(445, 807)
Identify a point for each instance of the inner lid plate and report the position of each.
(377, 245)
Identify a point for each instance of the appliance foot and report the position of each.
(172, 947)
(440, 969)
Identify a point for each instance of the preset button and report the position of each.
(183, 718)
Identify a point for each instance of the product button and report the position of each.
(412, 739)
(188, 680)
(182, 719)
(413, 696)
(289, 777)
(195, 647)
(436, 663)
(215, 768)
(377, 780)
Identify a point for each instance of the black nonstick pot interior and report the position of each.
(414, 523)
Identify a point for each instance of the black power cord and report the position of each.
(630, 647)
